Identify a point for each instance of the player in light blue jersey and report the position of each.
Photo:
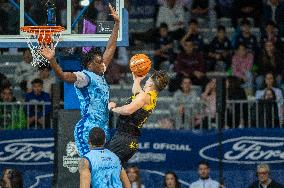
(91, 87)
(100, 168)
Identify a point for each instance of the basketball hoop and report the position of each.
(45, 35)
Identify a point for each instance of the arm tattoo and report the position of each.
(82, 164)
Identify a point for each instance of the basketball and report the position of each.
(140, 64)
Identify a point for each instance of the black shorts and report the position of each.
(124, 145)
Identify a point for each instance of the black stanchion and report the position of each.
(55, 104)
(66, 158)
(220, 109)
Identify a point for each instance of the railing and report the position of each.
(196, 116)
(25, 115)
(238, 114)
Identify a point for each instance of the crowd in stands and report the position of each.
(35, 85)
(253, 60)
(249, 58)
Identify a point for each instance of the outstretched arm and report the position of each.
(49, 53)
(111, 46)
(136, 88)
(85, 174)
(140, 101)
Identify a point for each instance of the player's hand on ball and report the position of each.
(113, 13)
(111, 105)
(137, 78)
(47, 52)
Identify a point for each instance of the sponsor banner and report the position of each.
(243, 148)
(180, 151)
(32, 152)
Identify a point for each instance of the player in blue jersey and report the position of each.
(91, 87)
(101, 168)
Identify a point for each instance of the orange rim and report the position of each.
(40, 30)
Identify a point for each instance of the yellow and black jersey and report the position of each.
(133, 123)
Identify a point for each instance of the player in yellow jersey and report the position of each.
(134, 114)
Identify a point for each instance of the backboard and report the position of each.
(89, 25)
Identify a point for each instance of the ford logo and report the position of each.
(247, 150)
(29, 151)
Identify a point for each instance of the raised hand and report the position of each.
(47, 52)
(137, 78)
(113, 13)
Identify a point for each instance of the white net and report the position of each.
(32, 41)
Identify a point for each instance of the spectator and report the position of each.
(189, 63)
(171, 180)
(193, 34)
(219, 52)
(247, 9)
(270, 33)
(166, 123)
(204, 9)
(25, 71)
(209, 97)
(204, 177)
(246, 37)
(242, 63)
(265, 114)
(236, 113)
(48, 80)
(185, 100)
(269, 81)
(11, 116)
(273, 10)
(173, 15)
(38, 114)
(163, 53)
(264, 181)
(11, 178)
(134, 177)
(271, 61)
(7, 95)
